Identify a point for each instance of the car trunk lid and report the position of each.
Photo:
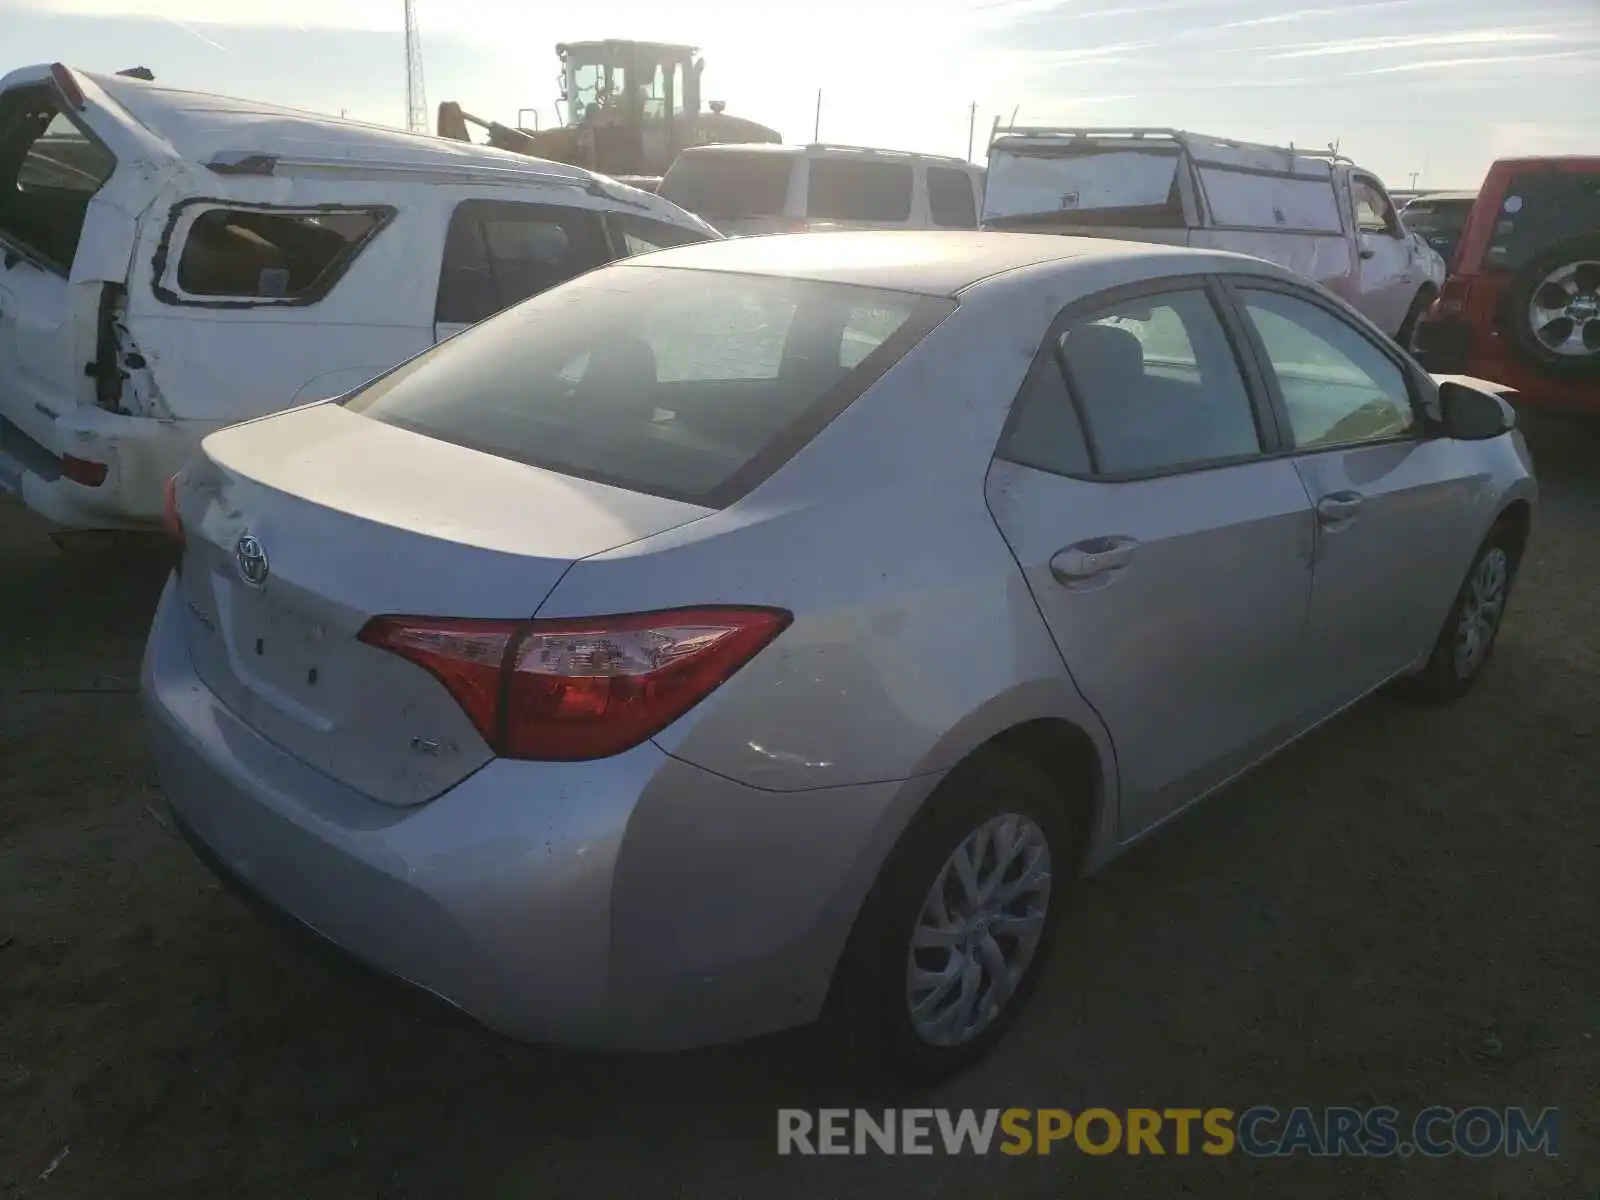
(302, 527)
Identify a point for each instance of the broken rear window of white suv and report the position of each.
(252, 254)
(49, 171)
(692, 385)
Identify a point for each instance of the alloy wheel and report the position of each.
(1482, 606)
(978, 930)
(1564, 312)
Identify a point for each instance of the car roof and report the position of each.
(841, 149)
(1442, 197)
(935, 263)
(1540, 160)
(200, 126)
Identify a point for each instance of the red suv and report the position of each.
(1521, 306)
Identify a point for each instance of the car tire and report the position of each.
(1467, 639)
(1568, 272)
(1014, 805)
(1407, 332)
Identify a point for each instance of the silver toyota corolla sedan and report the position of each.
(780, 627)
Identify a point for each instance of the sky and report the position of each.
(1425, 92)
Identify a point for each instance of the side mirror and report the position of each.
(1470, 415)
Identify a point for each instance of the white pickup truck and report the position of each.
(1315, 213)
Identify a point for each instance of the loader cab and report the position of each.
(632, 102)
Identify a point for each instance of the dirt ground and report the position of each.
(1404, 909)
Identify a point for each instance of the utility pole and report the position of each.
(416, 95)
(1414, 175)
(972, 127)
(816, 128)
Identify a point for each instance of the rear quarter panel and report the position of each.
(218, 362)
(915, 638)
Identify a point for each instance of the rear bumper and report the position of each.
(632, 903)
(1449, 347)
(140, 454)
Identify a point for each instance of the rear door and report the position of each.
(499, 252)
(1392, 505)
(1170, 556)
(52, 167)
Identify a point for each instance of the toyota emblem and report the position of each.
(252, 560)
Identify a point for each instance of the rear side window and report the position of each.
(632, 234)
(845, 190)
(1539, 209)
(255, 255)
(720, 183)
(1158, 385)
(49, 171)
(498, 253)
(1044, 431)
(950, 199)
(692, 385)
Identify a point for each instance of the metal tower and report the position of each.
(416, 94)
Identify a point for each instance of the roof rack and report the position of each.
(1184, 138)
(886, 153)
(246, 162)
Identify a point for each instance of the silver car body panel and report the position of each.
(701, 886)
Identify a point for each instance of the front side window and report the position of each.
(845, 190)
(498, 253)
(49, 171)
(681, 383)
(1158, 385)
(1374, 213)
(632, 234)
(950, 199)
(1337, 385)
(252, 254)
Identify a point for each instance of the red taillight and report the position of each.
(571, 689)
(82, 470)
(1453, 297)
(170, 520)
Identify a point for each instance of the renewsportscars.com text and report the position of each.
(1259, 1132)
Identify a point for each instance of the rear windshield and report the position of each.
(840, 189)
(1082, 185)
(1440, 222)
(693, 385)
(724, 183)
(1539, 209)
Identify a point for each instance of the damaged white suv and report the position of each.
(173, 262)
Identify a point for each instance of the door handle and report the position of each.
(1085, 560)
(1338, 506)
